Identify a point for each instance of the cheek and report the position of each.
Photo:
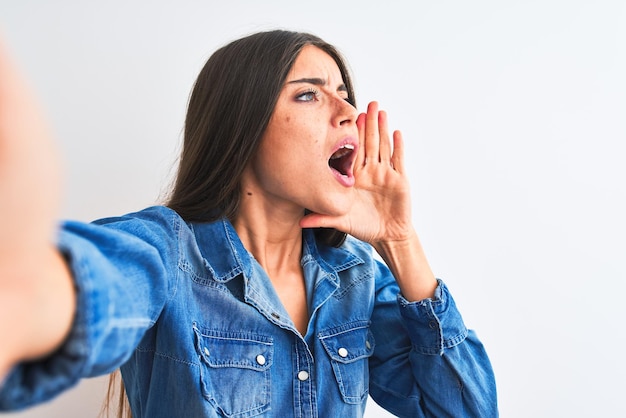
(294, 143)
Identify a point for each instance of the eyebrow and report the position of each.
(316, 82)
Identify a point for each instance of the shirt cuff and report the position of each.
(434, 324)
(33, 382)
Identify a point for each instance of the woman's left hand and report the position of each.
(382, 207)
(381, 214)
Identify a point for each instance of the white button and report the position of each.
(368, 345)
(342, 352)
(206, 351)
(260, 359)
(303, 375)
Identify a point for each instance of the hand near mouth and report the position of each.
(381, 214)
(382, 207)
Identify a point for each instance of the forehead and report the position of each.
(313, 62)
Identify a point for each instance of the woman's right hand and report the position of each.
(36, 292)
(29, 170)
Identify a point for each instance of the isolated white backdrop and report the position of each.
(515, 118)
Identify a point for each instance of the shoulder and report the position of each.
(157, 226)
(153, 214)
(154, 220)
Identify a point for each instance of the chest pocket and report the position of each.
(235, 371)
(349, 348)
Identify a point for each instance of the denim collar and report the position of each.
(233, 258)
(226, 258)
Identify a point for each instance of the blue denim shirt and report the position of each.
(199, 331)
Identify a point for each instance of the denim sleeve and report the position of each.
(426, 362)
(119, 266)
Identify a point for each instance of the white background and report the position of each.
(515, 118)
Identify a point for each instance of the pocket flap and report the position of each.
(234, 349)
(348, 343)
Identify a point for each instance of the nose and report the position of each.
(345, 113)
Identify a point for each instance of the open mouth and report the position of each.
(341, 160)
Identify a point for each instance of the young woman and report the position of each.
(253, 291)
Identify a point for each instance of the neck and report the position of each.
(269, 227)
(272, 234)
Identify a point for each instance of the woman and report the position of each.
(243, 296)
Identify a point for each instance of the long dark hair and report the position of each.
(230, 106)
(229, 109)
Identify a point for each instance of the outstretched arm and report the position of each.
(36, 291)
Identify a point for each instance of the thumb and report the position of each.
(316, 220)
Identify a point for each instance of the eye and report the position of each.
(343, 92)
(308, 95)
(349, 100)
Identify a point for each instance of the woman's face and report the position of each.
(307, 153)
